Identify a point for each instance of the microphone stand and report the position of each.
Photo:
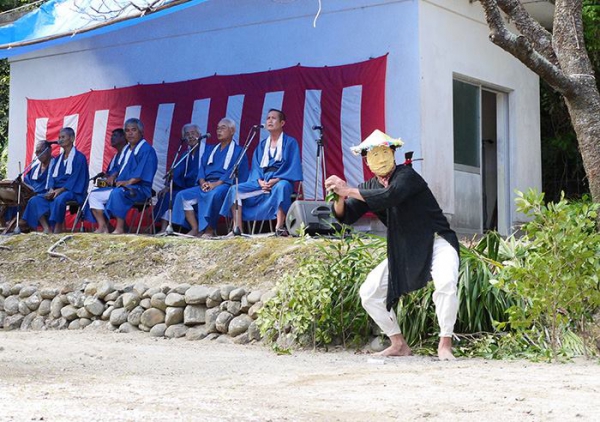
(320, 161)
(169, 230)
(237, 231)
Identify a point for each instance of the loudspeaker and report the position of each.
(315, 216)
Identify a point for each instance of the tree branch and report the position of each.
(530, 28)
(520, 47)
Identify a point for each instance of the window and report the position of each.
(466, 112)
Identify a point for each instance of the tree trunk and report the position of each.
(584, 110)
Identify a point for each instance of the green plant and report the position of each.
(556, 280)
(320, 305)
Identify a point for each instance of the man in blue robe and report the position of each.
(276, 166)
(133, 183)
(36, 178)
(109, 176)
(184, 176)
(213, 181)
(68, 181)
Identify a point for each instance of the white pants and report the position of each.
(98, 198)
(444, 270)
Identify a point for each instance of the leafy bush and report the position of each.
(554, 277)
(320, 304)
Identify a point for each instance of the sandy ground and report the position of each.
(102, 376)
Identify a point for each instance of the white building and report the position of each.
(465, 106)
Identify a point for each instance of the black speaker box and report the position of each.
(315, 216)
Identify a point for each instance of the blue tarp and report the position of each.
(60, 21)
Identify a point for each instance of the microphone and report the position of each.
(205, 136)
(261, 126)
(317, 127)
(52, 142)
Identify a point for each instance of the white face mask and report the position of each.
(381, 160)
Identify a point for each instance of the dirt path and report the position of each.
(67, 376)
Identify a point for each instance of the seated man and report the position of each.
(37, 176)
(119, 143)
(214, 180)
(184, 175)
(276, 166)
(68, 181)
(133, 183)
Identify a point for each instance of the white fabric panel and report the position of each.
(41, 128)
(160, 141)
(272, 100)
(312, 116)
(72, 121)
(351, 134)
(235, 103)
(98, 141)
(200, 113)
(132, 112)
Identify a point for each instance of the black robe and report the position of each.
(413, 217)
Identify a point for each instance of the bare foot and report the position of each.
(117, 231)
(101, 231)
(192, 233)
(396, 350)
(445, 349)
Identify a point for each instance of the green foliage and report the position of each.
(320, 304)
(555, 278)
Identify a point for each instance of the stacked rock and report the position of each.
(196, 312)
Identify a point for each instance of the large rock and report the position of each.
(181, 288)
(118, 303)
(33, 301)
(93, 305)
(15, 289)
(196, 333)
(196, 295)
(83, 313)
(234, 307)
(76, 298)
(84, 322)
(253, 331)
(112, 297)
(158, 330)
(151, 317)
(27, 291)
(105, 288)
(215, 295)
(226, 291)
(57, 303)
(253, 311)
(239, 325)
(151, 292)
(211, 316)
(26, 324)
(5, 289)
(106, 314)
(127, 327)
(38, 323)
(237, 294)
(158, 301)
(135, 316)
(119, 316)
(245, 304)
(194, 314)
(173, 316)
(254, 296)
(23, 308)
(75, 325)
(176, 331)
(222, 322)
(242, 339)
(13, 322)
(90, 289)
(49, 293)
(11, 305)
(131, 300)
(44, 308)
(145, 303)
(175, 299)
(69, 312)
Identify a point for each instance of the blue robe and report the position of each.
(185, 176)
(75, 184)
(112, 168)
(209, 203)
(142, 165)
(37, 183)
(265, 206)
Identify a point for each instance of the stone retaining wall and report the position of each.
(195, 312)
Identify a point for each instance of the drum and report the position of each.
(9, 193)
